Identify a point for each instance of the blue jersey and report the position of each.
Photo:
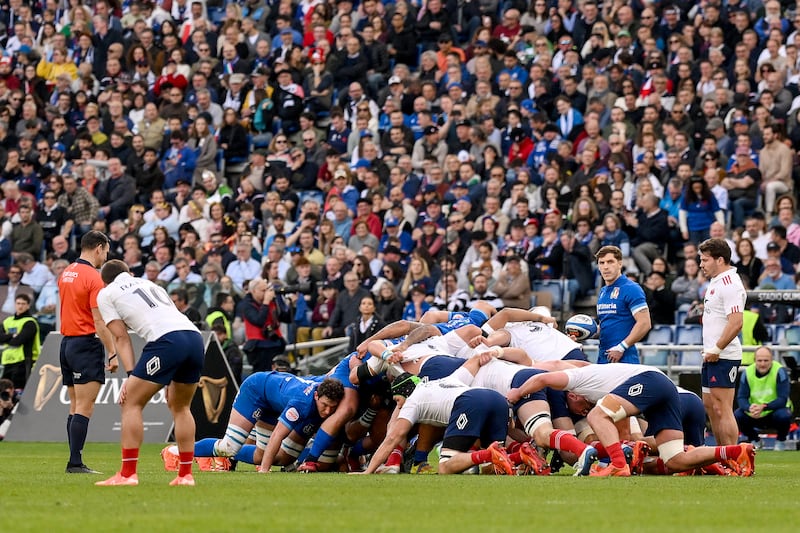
(284, 397)
(616, 306)
(459, 319)
(341, 372)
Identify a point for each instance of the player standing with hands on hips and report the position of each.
(621, 310)
(723, 309)
(83, 362)
(172, 358)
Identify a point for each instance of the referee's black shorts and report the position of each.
(82, 360)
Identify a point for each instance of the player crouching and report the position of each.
(172, 357)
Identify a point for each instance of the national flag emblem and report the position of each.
(615, 293)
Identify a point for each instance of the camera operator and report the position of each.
(261, 314)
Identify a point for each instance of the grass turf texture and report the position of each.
(38, 496)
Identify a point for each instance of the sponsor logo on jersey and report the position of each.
(635, 390)
(462, 421)
(292, 415)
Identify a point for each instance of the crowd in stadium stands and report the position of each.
(420, 148)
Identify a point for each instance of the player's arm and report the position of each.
(419, 334)
(391, 331)
(641, 327)
(280, 432)
(398, 430)
(555, 366)
(107, 338)
(732, 328)
(515, 315)
(435, 316)
(516, 355)
(554, 380)
(119, 333)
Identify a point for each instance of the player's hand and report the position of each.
(710, 357)
(513, 396)
(396, 357)
(262, 470)
(476, 341)
(123, 392)
(614, 355)
(485, 358)
(361, 350)
(113, 364)
(549, 320)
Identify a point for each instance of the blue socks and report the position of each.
(204, 448)
(246, 454)
(322, 441)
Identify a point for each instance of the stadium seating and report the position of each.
(689, 335)
(554, 288)
(792, 336)
(659, 334)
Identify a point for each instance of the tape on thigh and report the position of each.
(612, 408)
(292, 448)
(262, 437)
(535, 421)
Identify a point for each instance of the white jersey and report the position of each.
(540, 341)
(497, 375)
(725, 295)
(145, 308)
(432, 402)
(595, 381)
(436, 345)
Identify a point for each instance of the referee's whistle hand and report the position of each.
(113, 365)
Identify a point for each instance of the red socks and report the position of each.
(561, 440)
(395, 458)
(723, 453)
(616, 455)
(130, 458)
(513, 447)
(185, 466)
(481, 456)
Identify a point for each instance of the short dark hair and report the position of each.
(24, 297)
(331, 388)
(605, 250)
(93, 239)
(182, 295)
(112, 269)
(716, 248)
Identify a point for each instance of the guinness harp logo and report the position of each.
(215, 392)
(49, 383)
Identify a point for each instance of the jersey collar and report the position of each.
(84, 262)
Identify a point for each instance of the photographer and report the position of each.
(260, 312)
(21, 333)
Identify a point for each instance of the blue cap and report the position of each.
(362, 163)
(392, 222)
(454, 84)
(528, 105)
(60, 147)
(284, 31)
(430, 188)
(365, 133)
(459, 185)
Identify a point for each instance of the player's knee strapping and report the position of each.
(611, 407)
(668, 450)
(262, 437)
(292, 448)
(534, 422)
(329, 456)
(445, 454)
(232, 442)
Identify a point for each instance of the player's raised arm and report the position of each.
(391, 331)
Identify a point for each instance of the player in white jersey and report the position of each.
(723, 309)
(467, 414)
(622, 390)
(539, 413)
(172, 357)
(524, 329)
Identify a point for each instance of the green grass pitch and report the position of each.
(38, 496)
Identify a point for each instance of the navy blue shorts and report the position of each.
(478, 414)
(693, 418)
(440, 366)
(656, 397)
(177, 356)
(250, 402)
(83, 360)
(557, 399)
(519, 379)
(722, 374)
(575, 355)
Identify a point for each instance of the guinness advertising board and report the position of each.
(42, 412)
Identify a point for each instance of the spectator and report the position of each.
(116, 194)
(513, 285)
(181, 300)
(775, 164)
(763, 399)
(244, 268)
(27, 236)
(346, 310)
(660, 299)
(650, 231)
(773, 278)
(367, 324)
(698, 209)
